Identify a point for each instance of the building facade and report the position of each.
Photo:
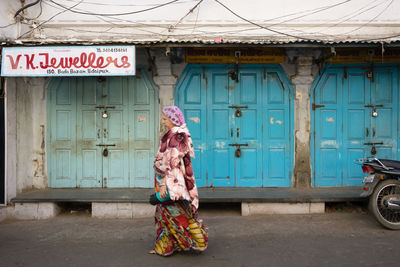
(274, 96)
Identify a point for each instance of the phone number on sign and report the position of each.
(111, 49)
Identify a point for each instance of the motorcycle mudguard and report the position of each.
(369, 187)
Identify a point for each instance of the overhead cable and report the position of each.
(113, 4)
(63, 11)
(268, 29)
(374, 18)
(187, 14)
(25, 7)
(116, 14)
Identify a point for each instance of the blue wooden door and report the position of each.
(142, 129)
(344, 128)
(210, 99)
(221, 124)
(384, 95)
(62, 134)
(277, 128)
(89, 124)
(114, 132)
(102, 132)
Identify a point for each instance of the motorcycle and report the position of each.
(382, 186)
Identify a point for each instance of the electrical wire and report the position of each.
(297, 13)
(349, 16)
(314, 12)
(25, 7)
(64, 9)
(67, 9)
(40, 13)
(117, 19)
(197, 17)
(123, 5)
(374, 18)
(116, 14)
(187, 14)
(6, 26)
(266, 28)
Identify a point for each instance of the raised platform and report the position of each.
(206, 195)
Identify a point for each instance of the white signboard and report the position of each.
(68, 61)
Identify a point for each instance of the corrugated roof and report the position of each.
(191, 42)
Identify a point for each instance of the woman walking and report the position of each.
(177, 224)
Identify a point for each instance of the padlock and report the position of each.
(374, 113)
(238, 113)
(105, 152)
(238, 152)
(373, 150)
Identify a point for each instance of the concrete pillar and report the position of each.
(302, 82)
(11, 138)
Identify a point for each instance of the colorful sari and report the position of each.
(177, 224)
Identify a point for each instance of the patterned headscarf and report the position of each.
(174, 114)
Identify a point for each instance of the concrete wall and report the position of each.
(31, 133)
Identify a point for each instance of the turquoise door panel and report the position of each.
(344, 125)
(143, 118)
(248, 128)
(102, 132)
(384, 127)
(208, 96)
(276, 131)
(63, 134)
(115, 133)
(88, 128)
(220, 124)
(356, 125)
(193, 94)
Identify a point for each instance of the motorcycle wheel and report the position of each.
(387, 217)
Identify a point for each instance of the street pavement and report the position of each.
(339, 237)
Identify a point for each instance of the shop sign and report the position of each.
(228, 55)
(68, 61)
(365, 55)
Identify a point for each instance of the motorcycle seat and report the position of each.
(393, 164)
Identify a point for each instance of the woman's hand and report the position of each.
(163, 191)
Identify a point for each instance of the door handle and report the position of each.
(366, 132)
(236, 144)
(231, 132)
(105, 133)
(237, 132)
(105, 107)
(373, 132)
(105, 145)
(373, 144)
(98, 134)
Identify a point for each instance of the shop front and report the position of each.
(240, 116)
(355, 107)
(101, 116)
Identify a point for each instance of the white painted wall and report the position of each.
(8, 25)
(31, 133)
(324, 20)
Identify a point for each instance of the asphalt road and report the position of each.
(337, 238)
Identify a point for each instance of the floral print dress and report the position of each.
(177, 224)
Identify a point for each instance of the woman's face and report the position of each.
(166, 122)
